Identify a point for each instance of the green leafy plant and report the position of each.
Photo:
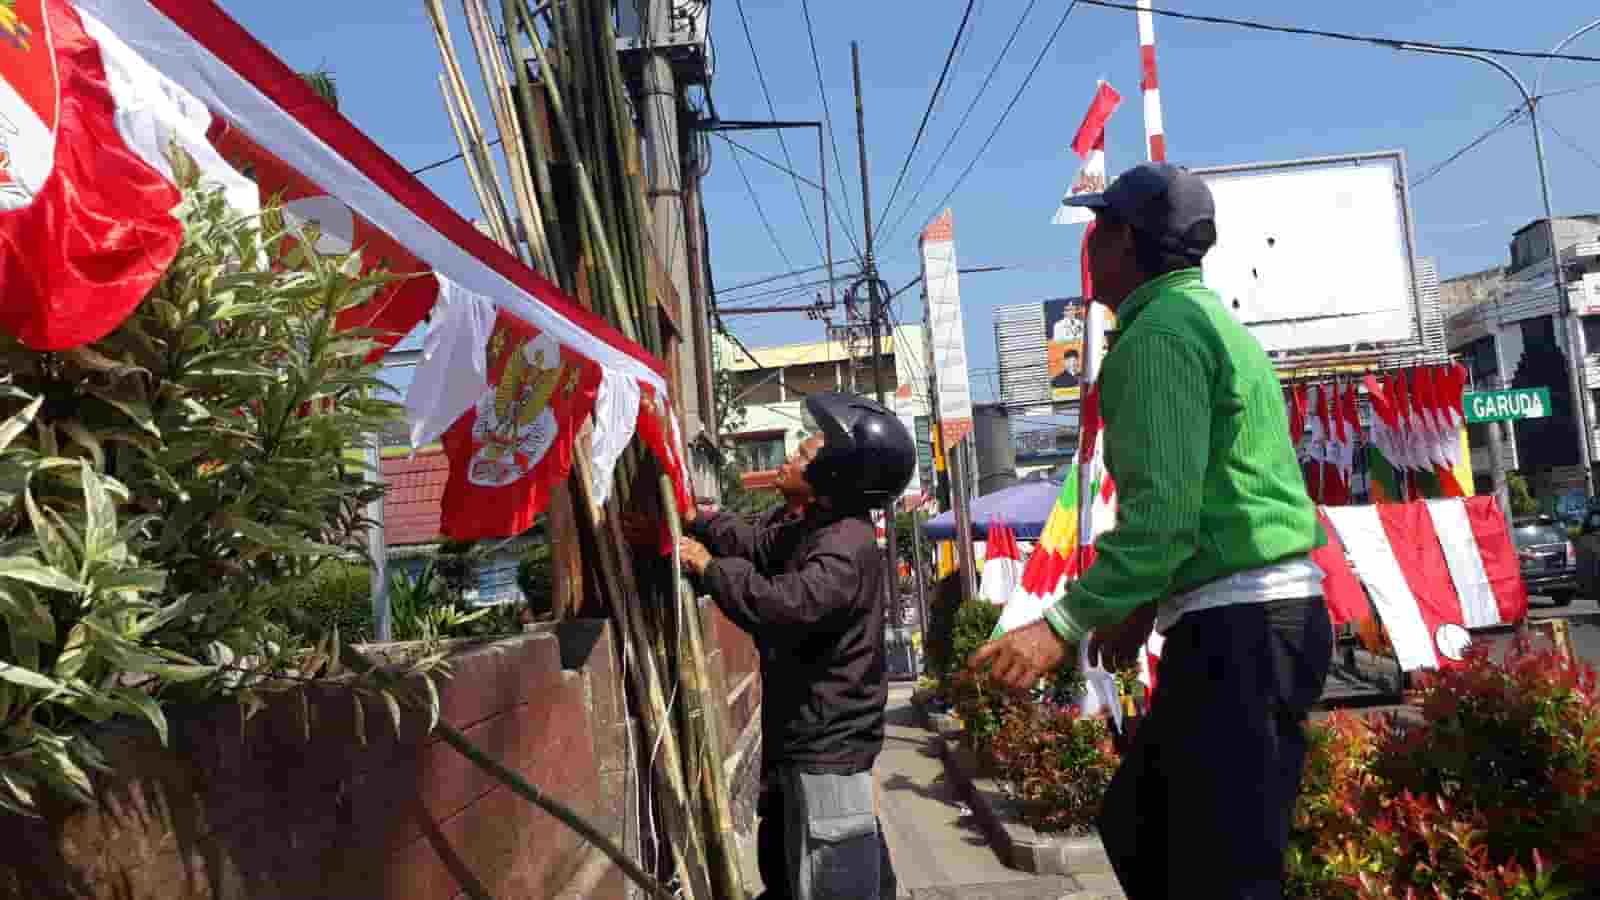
(1057, 762)
(158, 485)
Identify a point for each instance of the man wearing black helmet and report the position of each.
(810, 589)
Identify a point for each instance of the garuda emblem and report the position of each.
(515, 425)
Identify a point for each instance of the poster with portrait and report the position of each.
(1063, 335)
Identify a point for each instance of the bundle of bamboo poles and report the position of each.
(579, 215)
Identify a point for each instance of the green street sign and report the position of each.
(1505, 406)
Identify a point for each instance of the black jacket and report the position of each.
(809, 589)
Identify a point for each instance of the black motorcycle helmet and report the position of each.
(867, 457)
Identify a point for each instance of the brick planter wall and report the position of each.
(261, 810)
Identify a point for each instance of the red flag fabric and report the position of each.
(86, 224)
(510, 450)
(1499, 557)
(393, 311)
(1297, 414)
(1092, 132)
(1346, 598)
(1415, 545)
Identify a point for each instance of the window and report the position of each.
(760, 452)
(758, 386)
(1591, 328)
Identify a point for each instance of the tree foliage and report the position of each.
(158, 486)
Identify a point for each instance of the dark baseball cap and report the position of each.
(1162, 201)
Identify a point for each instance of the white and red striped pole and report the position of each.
(1154, 130)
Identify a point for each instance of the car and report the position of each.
(1548, 558)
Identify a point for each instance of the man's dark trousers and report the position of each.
(1202, 803)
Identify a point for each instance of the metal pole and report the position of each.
(1577, 353)
(377, 548)
(827, 224)
(870, 271)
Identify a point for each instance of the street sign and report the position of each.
(1505, 406)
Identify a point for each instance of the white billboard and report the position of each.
(1315, 255)
(946, 331)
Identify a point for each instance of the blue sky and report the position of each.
(1230, 96)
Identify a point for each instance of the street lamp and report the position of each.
(1575, 343)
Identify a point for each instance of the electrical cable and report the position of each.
(447, 160)
(1576, 147)
(838, 166)
(771, 278)
(772, 110)
(760, 211)
(1390, 43)
(1510, 119)
(1027, 79)
(771, 162)
(922, 126)
(982, 89)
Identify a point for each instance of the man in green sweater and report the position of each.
(1211, 548)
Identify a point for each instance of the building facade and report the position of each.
(1515, 335)
(771, 383)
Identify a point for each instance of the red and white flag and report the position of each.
(1002, 564)
(515, 444)
(1433, 570)
(1090, 146)
(135, 77)
(87, 186)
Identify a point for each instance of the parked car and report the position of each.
(1549, 558)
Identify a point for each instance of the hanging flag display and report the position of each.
(515, 443)
(88, 137)
(96, 96)
(946, 330)
(1090, 146)
(1433, 570)
(1346, 599)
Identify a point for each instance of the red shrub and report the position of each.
(1057, 762)
(1495, 795)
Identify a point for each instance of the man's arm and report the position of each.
(729, 535)
(1158, 418)
(784, 606)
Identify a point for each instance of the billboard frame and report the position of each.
(1416, 342)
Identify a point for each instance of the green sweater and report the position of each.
(1197, 440)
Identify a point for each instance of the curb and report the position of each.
(1018, 846)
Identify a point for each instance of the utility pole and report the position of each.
(875, 318)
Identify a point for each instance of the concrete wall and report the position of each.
(271, 809)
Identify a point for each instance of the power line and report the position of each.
(1576, 147)
(771, 278)
(1038, 60)
(1390, 43)
(756, 201)
(922, 126)
(771, 162)
(912, 203)
(827, 114)
(1509, 120)
(772, 110)
(1571, 90)
(446, 161)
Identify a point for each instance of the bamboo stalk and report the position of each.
(480, 28)
(499, 220)
(478, 186)
(537, 134)
(714, 794)
(585, 189)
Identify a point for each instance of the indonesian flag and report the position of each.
(1346, 599)
(511, 416)
(1295, 399)
(1002, 564)
(88, 137)
(1090, 146)
(1383, 457)
(1317, 446)
(1434, 570)
(1350, 414)
(1335, 488)
(515, 444)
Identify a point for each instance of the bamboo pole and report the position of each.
(714, 795)
(473, 175)
(480, 27)
(585, 188)
(536, 133)
(495, 212)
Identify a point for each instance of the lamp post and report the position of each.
(1577, 352)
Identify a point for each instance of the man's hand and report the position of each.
(640, 530)
(1022, 657)
(1118, 646)
(694, 554)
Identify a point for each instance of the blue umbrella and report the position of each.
(1024, 507)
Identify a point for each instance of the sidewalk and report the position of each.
(938, 851)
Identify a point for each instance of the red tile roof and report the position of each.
(412, 508)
